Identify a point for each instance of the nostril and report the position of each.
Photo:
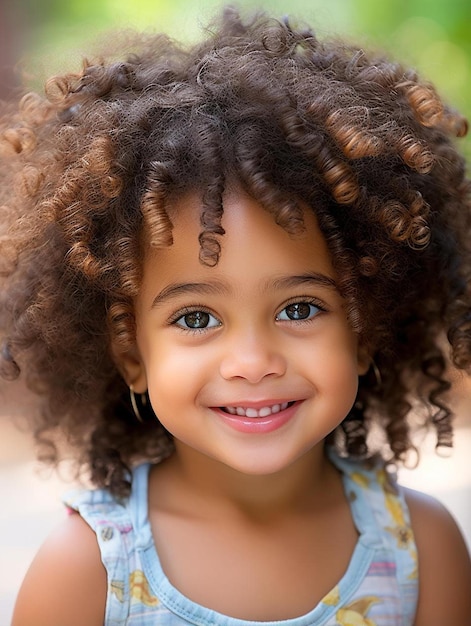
(252, 365)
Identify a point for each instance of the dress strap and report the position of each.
(381, 513)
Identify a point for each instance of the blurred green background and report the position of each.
(432, 35)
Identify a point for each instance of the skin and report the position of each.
(266, 502)
(250, 353)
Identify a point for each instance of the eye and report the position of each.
(196, 320)
(298, 311)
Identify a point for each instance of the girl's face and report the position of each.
(252, 362)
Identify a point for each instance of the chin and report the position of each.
(261, 467)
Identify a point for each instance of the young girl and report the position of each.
(234, 273)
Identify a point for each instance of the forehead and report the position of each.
(252, 240)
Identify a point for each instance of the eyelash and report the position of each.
(178, 315)
(321, 308)
(188, 311)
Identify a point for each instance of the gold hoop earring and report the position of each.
(135, 408)
(377, 373)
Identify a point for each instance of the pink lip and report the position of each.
(257, 425)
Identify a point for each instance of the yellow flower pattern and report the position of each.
(392, 502)
(333, 597)
(117, 589)
(360, 479)
(400, 530)
(140, 591)
(138, 587)
(354, 614)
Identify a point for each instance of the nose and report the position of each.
(252, 357)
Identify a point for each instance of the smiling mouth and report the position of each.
(265, 411)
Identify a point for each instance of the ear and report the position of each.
(131, 366)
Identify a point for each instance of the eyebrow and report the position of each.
(217, 287)
(177, 289)
(309, 278)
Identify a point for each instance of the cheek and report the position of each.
(336, 390)
(333, 365)
(339, 378)
(174, 379)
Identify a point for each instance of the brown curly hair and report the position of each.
(92, 168)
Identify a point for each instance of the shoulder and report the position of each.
(66, 583)
(444, 563)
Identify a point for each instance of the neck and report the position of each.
(295, 488)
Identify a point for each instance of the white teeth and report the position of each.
(253, 413)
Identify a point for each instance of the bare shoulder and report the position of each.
(444, 563)
(66, 583)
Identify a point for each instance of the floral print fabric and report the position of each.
(379, 587)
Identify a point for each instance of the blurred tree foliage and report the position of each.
(432, 35)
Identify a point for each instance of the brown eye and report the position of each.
(196, 320)
(298, 311)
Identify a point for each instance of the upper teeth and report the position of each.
(263, 412)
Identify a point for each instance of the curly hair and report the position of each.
(93, 167)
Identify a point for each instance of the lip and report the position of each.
(258, 425)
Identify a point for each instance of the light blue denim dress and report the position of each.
(379, 588)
